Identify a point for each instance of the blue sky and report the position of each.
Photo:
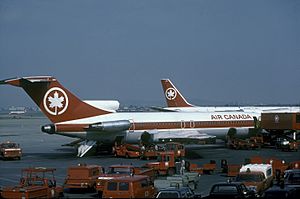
(214, 51)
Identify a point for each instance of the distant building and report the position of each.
(16, 110)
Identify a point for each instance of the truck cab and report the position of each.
(133, 186)
(10, 150)
(177, 148)
(165, 164)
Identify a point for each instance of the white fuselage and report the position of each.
(258, 109)
(179, 124)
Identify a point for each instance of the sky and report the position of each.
(214, 51)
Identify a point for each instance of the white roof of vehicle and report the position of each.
(257, 168)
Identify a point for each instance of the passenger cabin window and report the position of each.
(123, 186)
(112, 186)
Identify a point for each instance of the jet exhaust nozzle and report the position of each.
(49, 128)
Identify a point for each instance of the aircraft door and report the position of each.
(192, 124)
(182, 124)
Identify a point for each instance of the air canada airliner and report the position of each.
(73, 117)
(176, 102)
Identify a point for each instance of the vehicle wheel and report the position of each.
(171, 171)
(126, 155)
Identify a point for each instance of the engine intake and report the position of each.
(137, 137)
(48, 128)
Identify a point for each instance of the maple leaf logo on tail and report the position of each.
(171, 93)
(56, 101)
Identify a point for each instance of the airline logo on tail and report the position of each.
(171, 93)
(56, 101)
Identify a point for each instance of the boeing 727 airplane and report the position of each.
(75, 118)
(177, 102)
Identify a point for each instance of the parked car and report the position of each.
(283, 192)
(174, 192)
(292, 179)
(230, 190)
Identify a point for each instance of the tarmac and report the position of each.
(44, 150)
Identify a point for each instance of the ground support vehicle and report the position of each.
(166, 164)
(121, 170)
(150, 151)
(259, 140)
(10, 150)
(188, 179)
(230, 169)
(233, 170)
(130, 170)
(280, 121)
(294, 165)
(257, 177)
(24, 192)
(229, 190)
(133, 186)
(177, 148)
(82, 176)
(279, 166)
(286, 144)
(237, 143)
(36, 182)
(254, 160)
(127, 151)
(207, 168)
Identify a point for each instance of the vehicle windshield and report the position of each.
(249, 178)
(9, 145)
(120, 170)
(293, 178)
